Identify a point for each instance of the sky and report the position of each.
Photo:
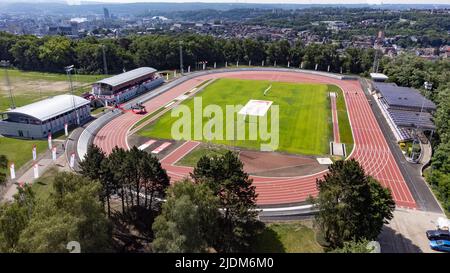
(373, 2)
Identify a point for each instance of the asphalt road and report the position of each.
(411, 172)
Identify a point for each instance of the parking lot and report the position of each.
(406, 232)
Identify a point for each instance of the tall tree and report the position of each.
(56, 53)
(352, 205)
(115, 164)
(92, 162)
(226, 177)
(188, 222)
(72, 213)
(3, 167)
(14, 218)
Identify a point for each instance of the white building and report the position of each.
(38, 119)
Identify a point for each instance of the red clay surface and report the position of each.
(370, 149)
(279, 165)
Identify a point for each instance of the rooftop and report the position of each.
(51, 107)
(378, 76)
(412, 119)
(403, 96)
(127, 76)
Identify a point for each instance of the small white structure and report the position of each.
(443, 223)
(39, 119)
(324, 160)
(256, 108)
(378, 77)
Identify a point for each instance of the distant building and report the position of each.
(106, 14)
(41, 118)
(125, 86)
(336, 25)
(64, 30)
(378, 77)
(379, 41)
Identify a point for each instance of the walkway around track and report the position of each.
(370, 149)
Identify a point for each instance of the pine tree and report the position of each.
(352, 205)
(226, 177)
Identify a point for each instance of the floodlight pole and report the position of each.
(427, 86)
(105, 67)
(181, 58)
(69, 75)
(5, 65)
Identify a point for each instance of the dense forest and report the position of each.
(52, 53)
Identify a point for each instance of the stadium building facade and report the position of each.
(125, 86)
(39, 119)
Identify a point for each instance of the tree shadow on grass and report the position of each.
(394, 242)
(268, 242)
(133, 230)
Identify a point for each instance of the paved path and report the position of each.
(406, 231)
(370, 149)
(28, 176)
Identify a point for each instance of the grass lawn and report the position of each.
(31, 75)
(28, 87)
(98, 111)
(290, 237)
(191, 159)
(43, 186)
(147, 117)
(305, 115)
(19, 150)
(345, 131)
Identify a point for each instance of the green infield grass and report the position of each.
(290, 237)
(19, 151)
(304, 114)
(191, 159)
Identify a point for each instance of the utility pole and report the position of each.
(105, 67)
(181, 58)
(428, 86)
(69, 75)
(5, 65)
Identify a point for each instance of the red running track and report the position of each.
(370, 149)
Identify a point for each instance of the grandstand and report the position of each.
(405, 109)
(125, 86)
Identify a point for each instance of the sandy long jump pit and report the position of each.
(273, 164)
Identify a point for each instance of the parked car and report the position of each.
(434, 235)
(440, 245)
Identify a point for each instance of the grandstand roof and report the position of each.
(127, 76)
(412, 119)
(51, 107)
(403, 96)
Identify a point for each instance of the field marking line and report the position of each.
(146, 144)
(161, 147)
